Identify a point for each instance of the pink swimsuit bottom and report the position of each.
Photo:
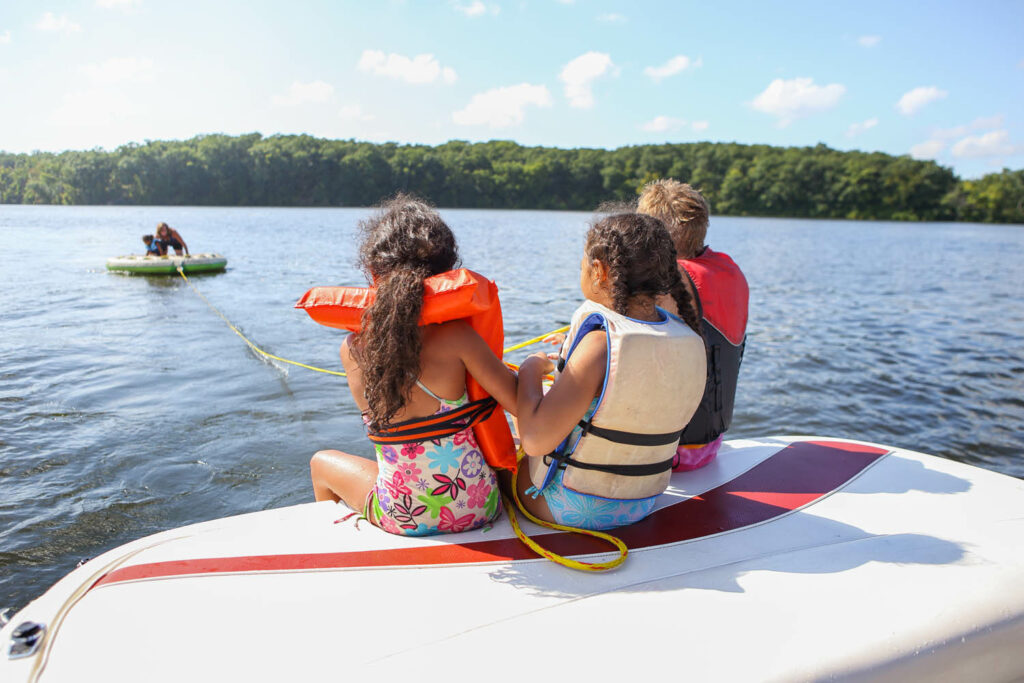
(689, 458)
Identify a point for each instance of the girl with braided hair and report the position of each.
(399, 371)
(601, 442)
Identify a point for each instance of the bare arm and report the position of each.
(356, 383)
(181, 239)
(494, 376)
(546, 419)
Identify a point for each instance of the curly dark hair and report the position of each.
(404, 243)
(641, 260)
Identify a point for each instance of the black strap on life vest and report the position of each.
(434, 427)
(629, 438)
(645, 470)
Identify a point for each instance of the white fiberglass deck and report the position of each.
(786, 559)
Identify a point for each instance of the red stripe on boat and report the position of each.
(801, 473)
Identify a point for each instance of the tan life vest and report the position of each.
(654, 381)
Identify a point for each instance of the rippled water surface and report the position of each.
(127, 407)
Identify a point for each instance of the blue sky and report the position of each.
(938, 80)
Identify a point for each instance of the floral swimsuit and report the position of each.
(433, 487)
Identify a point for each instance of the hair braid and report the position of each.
(685, 304)
(618, 270)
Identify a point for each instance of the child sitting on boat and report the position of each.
(152, 246)
(601, 442)
(720, 293)
(402, 373)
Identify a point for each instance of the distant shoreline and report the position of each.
(466, 208)
(291, 171)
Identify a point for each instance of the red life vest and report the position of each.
(722, 298)
(454, 295)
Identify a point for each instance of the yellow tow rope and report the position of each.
(529, 542)
(252, 346)
(555, 557)
(263, 353)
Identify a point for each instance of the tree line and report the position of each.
(301, 170)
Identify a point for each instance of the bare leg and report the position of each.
(341, 476)
(538, 507)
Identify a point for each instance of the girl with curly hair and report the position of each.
(398, 371)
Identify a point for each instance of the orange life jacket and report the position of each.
(454, 295)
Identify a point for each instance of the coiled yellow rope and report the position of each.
(549, 555)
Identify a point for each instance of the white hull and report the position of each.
(786, 559)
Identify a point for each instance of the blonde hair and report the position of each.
(682, 209)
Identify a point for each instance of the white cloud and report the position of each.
(611, 18)
(673, 66)
(913, 100)
(5, 37)
(118, 70)
(476, 8)
(987, 122)
(858, 128)
(928, 149)
(118, 4)
(795, 98)
(950, 133)
(354, 112)
(660, 124)
(314, 92)
(993, 144)
(472, 9)
(420, 69)
(869, 41)
(579, 74)
(980, 123)
(502, 107)
(52, 23)
(95, 108)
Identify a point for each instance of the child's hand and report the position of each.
(544, 361)
(558, 338)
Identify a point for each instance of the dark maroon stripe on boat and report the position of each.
(799, 474)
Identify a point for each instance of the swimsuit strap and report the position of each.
(428, 392)
(442, 401)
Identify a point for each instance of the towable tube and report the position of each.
(454, 295)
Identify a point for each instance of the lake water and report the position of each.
(127, 407)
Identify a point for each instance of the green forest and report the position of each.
(300, 170)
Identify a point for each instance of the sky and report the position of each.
(935, 80)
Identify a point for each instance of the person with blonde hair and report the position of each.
(720, 293)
